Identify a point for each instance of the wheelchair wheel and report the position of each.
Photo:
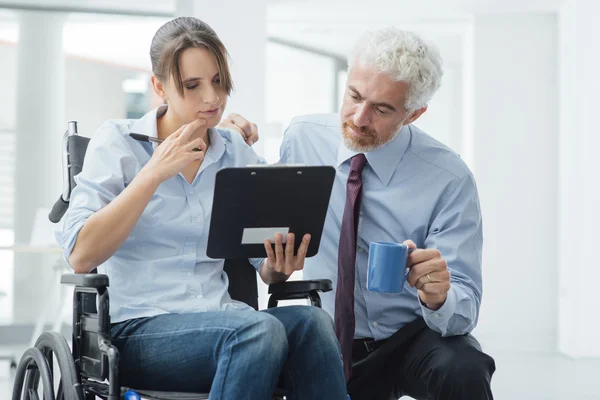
(53, 344)
(38, 363)
(32, 366)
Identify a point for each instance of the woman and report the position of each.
(140, 212)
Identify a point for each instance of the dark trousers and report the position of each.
(418, 362)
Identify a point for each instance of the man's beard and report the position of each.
(370, 141)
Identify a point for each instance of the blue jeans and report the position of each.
(233, 354)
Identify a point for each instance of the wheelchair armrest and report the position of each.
(96, 281)
(299, 290)
(322, 285)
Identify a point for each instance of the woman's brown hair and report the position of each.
(180, 34)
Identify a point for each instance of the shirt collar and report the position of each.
(383, 160)
(147, 124)
(218, 146)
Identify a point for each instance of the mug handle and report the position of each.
(408, 269)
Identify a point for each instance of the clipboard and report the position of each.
(253, 203)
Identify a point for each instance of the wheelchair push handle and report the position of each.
(58, 210)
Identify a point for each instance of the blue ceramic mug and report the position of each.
(387, 270)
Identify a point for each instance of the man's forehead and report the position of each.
(376, 85)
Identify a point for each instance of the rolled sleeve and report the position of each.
(108, 167)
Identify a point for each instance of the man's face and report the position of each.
(373, 109)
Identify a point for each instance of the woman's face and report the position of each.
(204, 97)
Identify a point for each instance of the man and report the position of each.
(395, 183)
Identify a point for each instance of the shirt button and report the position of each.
(198, 220)
(192, 192)
(375, 324)
(189, 274)
(360, 249)
(436, 315)
(199, 296)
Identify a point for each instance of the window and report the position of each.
(7, 178)
(137, 99)
(299, 81)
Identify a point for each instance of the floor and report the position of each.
(518, 376)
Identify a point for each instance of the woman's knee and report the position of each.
(265, 332)
(315, 329)
(317, 320)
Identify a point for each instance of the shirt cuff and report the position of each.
(438, 320)
(257, 262)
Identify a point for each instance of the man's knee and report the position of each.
(465, 366)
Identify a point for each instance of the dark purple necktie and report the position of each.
(344, 296)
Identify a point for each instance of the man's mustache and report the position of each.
(364, 130)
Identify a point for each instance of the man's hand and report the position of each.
(241, 125)
(280, 264)
(429, 275)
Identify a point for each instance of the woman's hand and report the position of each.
(177, 151)
(280, 264)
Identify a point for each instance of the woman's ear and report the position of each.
(159, 88)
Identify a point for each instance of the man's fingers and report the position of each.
(253, 137)
(421, 255)
(228, 124)
(241, 123)
(436, 289)
(410, 244)
(248, 129)
(424, 268)
(433, 277)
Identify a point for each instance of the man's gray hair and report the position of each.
(405, 57)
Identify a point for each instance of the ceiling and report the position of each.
(360, 8)
(330, 25)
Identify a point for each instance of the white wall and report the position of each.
(93, 94)
(515, 157)
(93, 90)
(443, 119)
(579, 188)
(8, 83)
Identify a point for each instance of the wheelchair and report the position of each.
(91, 367)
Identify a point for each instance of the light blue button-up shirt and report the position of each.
(413, 188)
(162, 267)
